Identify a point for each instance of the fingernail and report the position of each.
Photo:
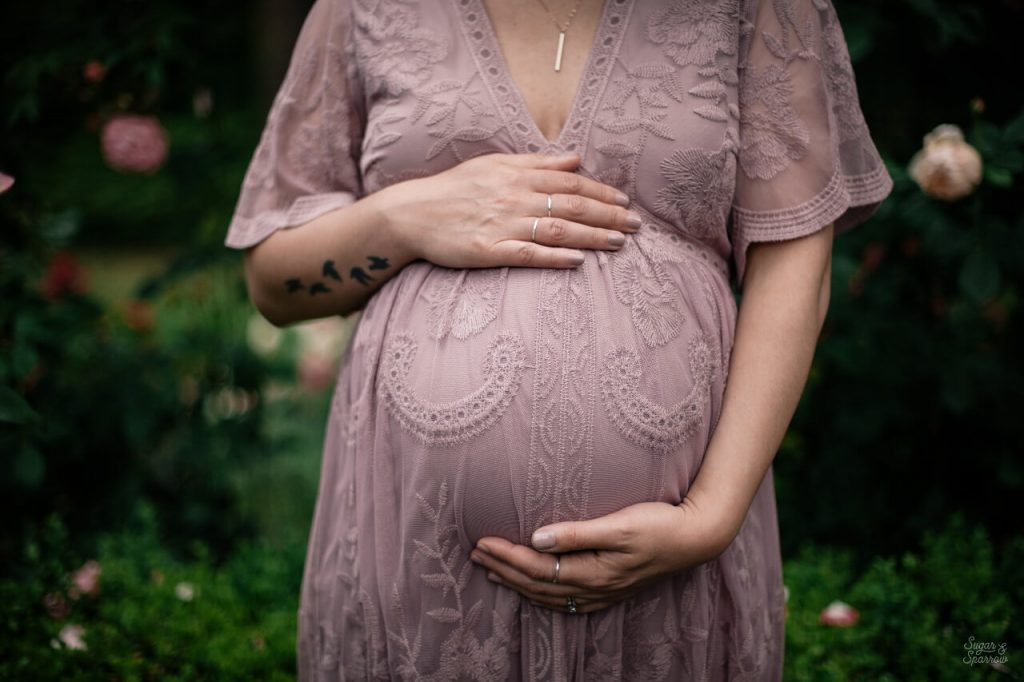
(633, 220)
(483, 548)
(543, 539)
(576, 258)
(616, 238)
(474, 556)
(622, 199)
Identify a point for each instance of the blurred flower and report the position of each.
(263, 337)
(947, 167)
(55, 605)
(315, 371)
(63, 275)
(71, 636)
(133, 143)
(978, 105)
(202, 102)
(229, 402)
(86, 579)
(138, 315)
(6, 181)
(320, 346)
(839, 614)
(326, 336)
(184, 591)
(94, 71)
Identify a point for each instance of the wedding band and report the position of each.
(571, 601)
(549, 205)
(533, 235)
(558, 566)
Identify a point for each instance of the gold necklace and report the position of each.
(561, 31)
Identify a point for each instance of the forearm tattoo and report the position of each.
(356, 274)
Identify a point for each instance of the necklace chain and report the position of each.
(555, 21)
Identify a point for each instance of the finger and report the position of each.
(503, 574)
(538, 160)
(603, 532)
(584, 209)
(561, 232)
(534, 571)
(556, 181)
(530, 254)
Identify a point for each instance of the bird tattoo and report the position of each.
(318, 288)
(293, 284)
(359, 275)
(329, 270)
(377, 262)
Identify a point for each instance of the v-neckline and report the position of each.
(494, 70)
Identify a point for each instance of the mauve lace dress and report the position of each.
(494, 401)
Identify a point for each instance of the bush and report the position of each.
(151, 616)
(917, 611)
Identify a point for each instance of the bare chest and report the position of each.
(529, 39)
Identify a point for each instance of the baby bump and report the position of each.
(519, 397)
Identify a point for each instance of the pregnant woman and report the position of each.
(540, 209)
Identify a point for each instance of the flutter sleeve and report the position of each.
(307, 160)
(806, 158)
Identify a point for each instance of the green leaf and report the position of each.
(979, 277)
(13, 408)
(1000, 177)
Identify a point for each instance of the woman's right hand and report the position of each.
(480, 213)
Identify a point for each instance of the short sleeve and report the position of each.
(307, 160)
(806, 157)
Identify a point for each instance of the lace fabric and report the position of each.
(493, 401)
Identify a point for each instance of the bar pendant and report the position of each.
(558, 56)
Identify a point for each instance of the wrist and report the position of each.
(720, 521)
(389, 210)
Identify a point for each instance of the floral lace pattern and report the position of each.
(655, 427)
(396, 53)
(460, 420)
(691, 108)
(463, 302)
(462, 654)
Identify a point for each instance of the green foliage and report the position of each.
(153, 617)
(917, 611)
(917, 367)
(98, 408)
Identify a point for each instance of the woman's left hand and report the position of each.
(607, 559)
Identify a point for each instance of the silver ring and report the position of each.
(549, 205)
(533, 235)
(571, 601)
(558, 567)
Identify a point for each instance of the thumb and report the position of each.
(599, 533)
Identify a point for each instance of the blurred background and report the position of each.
(161, 441)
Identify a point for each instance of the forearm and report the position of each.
(781, 314)
(328, 266)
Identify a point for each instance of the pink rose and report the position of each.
(947, 167)
(86, 579)
(94, 71)
(137, 144)
(839, 614)
(5, 182)
(71, 635)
